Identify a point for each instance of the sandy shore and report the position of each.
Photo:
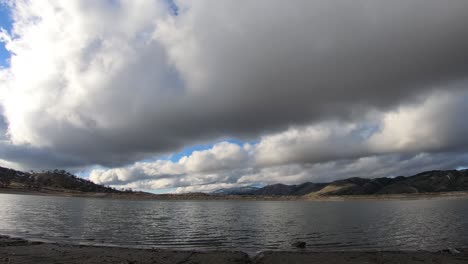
(13, 250)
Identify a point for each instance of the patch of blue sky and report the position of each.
(189, 150)
(365, 131)
(173, 8)
(461, 168)
(174, 157)
(6, 24)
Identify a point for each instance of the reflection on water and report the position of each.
(239, 225)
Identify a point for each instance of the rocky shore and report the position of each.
(16, 251)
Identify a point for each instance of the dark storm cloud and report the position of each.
(34, 158)
(152, 83)
(3, 127)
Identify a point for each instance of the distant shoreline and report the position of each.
(149, 196)
(17, 250)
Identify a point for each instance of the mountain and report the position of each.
(425, 182)
(57, 180)
(282, 189)
(271, 190)
(247, 190)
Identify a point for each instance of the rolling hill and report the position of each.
(56, 181)
(425, 182)
(60, 181)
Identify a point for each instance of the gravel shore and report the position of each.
(15, 251)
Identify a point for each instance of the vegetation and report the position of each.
(56, 179)
(426, 182)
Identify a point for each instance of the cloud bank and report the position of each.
(405, 141)
(346, 86)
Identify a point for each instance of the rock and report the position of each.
(451, 251)
(299, 244)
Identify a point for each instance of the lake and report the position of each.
(250, 226)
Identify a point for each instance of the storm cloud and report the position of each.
(317, 82)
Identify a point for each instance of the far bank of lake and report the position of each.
(202, 196)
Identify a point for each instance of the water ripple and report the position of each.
(238, 225)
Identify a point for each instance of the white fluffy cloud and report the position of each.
(367, 167)
(316, 82)
(208, 163)
(433, 124)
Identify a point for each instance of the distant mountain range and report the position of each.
(425, 182)
(60, 181)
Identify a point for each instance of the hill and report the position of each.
(425, 182)
(285, 190)
(62, 182)
(57, 180)
(236, 191)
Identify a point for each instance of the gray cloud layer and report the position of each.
(407, 140)
(111, 83)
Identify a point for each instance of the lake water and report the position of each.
(249, 226)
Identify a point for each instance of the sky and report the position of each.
(5, 23)
(186, 96)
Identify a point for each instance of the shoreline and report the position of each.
(149, 196)
(17, 250)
